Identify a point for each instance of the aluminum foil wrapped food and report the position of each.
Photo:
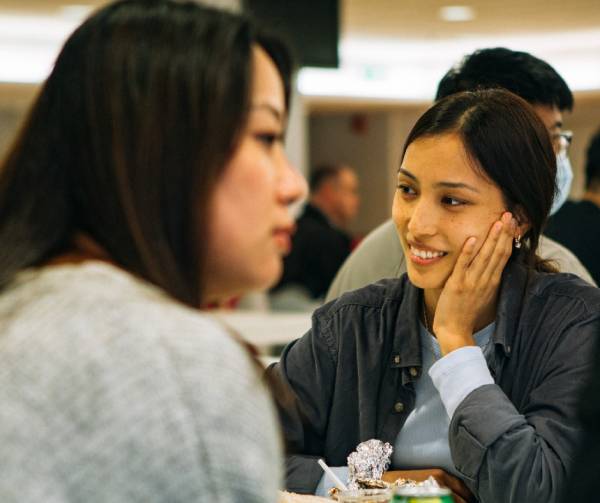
(368, 463)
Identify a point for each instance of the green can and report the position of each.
(420, 494)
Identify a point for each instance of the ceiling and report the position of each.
(419, 19)
(378, 37)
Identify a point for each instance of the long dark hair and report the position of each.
(128, 137)
(510, 146)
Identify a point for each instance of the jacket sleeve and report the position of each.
(303, 381)
(526, 456)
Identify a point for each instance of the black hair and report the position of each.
(521, 73)
(509, 146)
(129, 136)
(322, 174)
(592, 163)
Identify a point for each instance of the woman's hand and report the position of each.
(459, 490)
(473, 286)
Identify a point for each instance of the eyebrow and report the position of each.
(269, 108)
(446, 185)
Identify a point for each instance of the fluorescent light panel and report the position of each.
(370, 68)
(410, 69)
(456, 13)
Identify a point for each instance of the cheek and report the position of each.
(399, 211)
(477, 226)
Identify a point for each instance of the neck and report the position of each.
(592, 196)
(430, 300)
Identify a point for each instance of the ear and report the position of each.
(523, 224)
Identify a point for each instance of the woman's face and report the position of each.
(440, 202)
(250, 225)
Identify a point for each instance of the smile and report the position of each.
(426, 254)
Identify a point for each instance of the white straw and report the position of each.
(332, 475)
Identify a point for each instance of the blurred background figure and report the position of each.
(321, 243)
(577, 224)
(148, 180)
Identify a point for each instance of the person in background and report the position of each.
(148, 180)
(321, 244)
(380, 255)
(577, 224)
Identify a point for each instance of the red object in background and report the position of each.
(355, 242)
(227, 304)
(359, 124)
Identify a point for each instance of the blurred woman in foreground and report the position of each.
(149, 179)
(471, 364)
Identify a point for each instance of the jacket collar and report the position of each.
(315, 213)
(515, 279)
(406, 349)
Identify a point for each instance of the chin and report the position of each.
(428, 281)
(270, 272)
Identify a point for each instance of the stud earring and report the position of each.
(518, 241)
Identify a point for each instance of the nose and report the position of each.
(292, 185)
(422, 219)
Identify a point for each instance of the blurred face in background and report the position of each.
(250, 225)
(552, 118)
(348, 200)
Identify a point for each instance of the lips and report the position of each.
(424, 255)
(283, 238)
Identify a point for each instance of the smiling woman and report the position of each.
(149, 179)
(470, 364)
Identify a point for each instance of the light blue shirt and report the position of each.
(444, 383)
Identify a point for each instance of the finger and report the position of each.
(481, 261)
(501, 253)
(466, 255)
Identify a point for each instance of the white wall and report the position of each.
(334, 138)
(584, 122)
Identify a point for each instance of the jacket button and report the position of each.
(413, 371)
(397, 359)
(398, 406)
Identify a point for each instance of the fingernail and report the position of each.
(497, 226)
(506, 218)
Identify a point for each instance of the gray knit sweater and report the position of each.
(112, 392)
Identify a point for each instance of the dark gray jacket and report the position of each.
(351, 379)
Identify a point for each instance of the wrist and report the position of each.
(451, 340)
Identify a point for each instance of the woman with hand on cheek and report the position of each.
(469, 365)
(149, 180)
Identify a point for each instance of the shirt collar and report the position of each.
(406, 349)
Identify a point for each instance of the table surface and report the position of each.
(264, 329)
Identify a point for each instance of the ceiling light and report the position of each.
(456, 13)
(76, 12)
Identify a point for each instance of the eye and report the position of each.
(452, 201)
(406, 190)
(269, 139)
